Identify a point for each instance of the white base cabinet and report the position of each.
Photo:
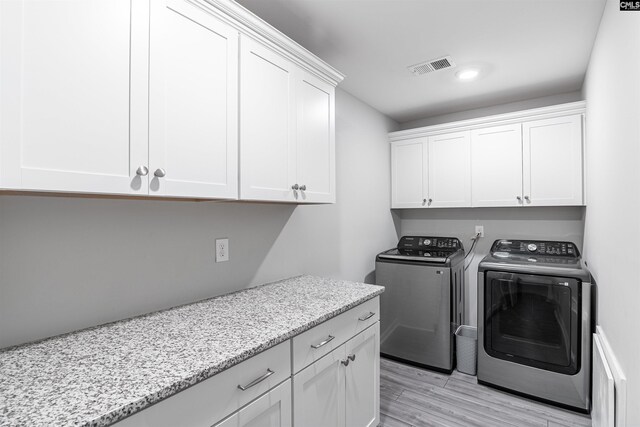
(271, 410)
(530, 158)
(342, 388)
(336, 382)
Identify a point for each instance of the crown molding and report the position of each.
(251, 25)
(578, 107)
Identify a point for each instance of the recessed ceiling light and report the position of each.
(468, 74)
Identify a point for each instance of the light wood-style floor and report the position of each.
(411, 396)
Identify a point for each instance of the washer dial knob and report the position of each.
(426, 242)
(532, 247)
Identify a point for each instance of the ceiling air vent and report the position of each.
(433, 65)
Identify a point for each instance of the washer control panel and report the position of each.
(534, 247)
(425, 242)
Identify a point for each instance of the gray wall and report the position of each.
(552, 223)
(612, 229)
(544, 101)
(69, 263)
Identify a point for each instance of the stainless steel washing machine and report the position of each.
(423, 302)
(534, 321)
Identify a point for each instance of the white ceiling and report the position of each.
(524, 48)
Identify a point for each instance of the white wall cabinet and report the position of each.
(449, 163)
(193, 103)
(341, 388)
(431, 172)
(552, 161)
(287, 130)
(496, 171)
(68, 119)
(154, 108)
(519, 161)
(408, 174)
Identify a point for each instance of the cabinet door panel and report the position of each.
(496, 166)
(320, 393)
(193, 102)
(449, 170)
(316, 140)
(363, 379)
(408, 186)
(66, 102)
(271, 410)
(553, 161)
(267, 124)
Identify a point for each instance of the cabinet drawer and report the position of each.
(324, 338)
(213, 399)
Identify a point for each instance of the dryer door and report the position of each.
(533, 320)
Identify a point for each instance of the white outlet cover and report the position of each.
(222, 250)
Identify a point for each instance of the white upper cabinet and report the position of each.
(431, 172)
(408, 177)
(69, 120)
(193, 103)
(287, 130)
(145, 98)
(552, 159)
(316, 175)
(267, 124)
(527, 158)
(449, 161)
(496, 171)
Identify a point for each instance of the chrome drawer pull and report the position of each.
(366, 316)
(257, 380)
(352, 357)
(328, 340)
(345, 362)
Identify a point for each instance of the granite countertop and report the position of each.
(98, 376)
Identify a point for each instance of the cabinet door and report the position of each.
(553, 161)
(231, 421)
(271, 410)
(409, 180)
(363, 379)
(496, 166)
(449, 170)
(193, 101)
(316, 140)
(267, 124)
(320, 393)
(74, 100)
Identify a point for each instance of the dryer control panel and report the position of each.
(535, 247)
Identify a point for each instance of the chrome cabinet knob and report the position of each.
(142, 171)
(519, 199)
(430, 200)
(424, 200)
(527, 199)
(160, 173)
(345, 362)
(352, 357)
(295, 187)
(303, 187)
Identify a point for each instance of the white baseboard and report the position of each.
(612, 368)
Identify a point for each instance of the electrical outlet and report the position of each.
(480, 229)
(222, 250)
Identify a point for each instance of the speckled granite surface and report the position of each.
(98, 376)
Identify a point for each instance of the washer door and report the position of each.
(533, 320)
